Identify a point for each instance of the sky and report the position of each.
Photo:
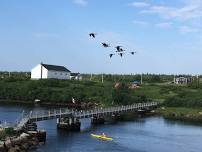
(166, 34)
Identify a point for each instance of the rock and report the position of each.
(2, 148)
(12, 149)
(22, 143)
(25, 146)
(34, 143)
(17, 148)
(41, 143)
(8, 143)
(24, 135)
(17, 141)
(1, 143)
(200, 113)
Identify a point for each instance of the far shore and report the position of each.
(33, 103)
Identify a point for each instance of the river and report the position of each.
(151, 134)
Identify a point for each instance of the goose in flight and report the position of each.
(110, 55)
(92, 35)
(121, 54)
(132, 53)
(105, 45)
(118, 48)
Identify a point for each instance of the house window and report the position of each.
(55, 73)
(60, 73)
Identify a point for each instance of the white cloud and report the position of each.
(81, 2)
(164, 25)
(187, 29)
(187, 12)
(140, 23)
(140, 4)
(191, 9)
(163, 11)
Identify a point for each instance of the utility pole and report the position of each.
(41, 70)
(9, 74)
(91, 76)
(102, 78)
(198, 81)
(141, 80)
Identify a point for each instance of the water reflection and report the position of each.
(153, 134)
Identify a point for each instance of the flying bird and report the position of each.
(121, 54)
(132, 53)
(118, 48)
(92, 35)
(110, 55)
(105, 45)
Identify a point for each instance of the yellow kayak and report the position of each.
(101, 137)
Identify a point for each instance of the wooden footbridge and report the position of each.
(72, 115)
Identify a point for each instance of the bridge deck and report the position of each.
(65, 113)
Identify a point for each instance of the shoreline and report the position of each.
(190, 115)
(4, 101)
(21, 142)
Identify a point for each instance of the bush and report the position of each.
(7, 132)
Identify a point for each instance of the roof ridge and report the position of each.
(55, 67)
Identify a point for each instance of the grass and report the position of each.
(180, 111)
(6, 132)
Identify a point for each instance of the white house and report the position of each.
(183, 80)
(45, 71)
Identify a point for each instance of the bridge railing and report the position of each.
(112, 109)
(57, 113)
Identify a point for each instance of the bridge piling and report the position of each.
(95, 120)
(70, 124)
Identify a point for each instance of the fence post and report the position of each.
(60, 112)
(36, 115)
(30, 114)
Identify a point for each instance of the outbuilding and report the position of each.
(76, 76)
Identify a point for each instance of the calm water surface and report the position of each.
(153, 134)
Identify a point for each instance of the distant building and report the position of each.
(76, 76)
(183, 80)
(46, 71)
(136, 83)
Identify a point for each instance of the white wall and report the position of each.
(36, 72)
(58, 74)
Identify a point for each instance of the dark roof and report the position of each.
(75, 74)
(136, 82)
(55, 67)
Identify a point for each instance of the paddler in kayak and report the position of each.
(103, 135)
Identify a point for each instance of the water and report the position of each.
(153, 134)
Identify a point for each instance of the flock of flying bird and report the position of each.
(119, 49)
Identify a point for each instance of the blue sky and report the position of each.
(166, 35)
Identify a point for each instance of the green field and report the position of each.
(94, 91)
